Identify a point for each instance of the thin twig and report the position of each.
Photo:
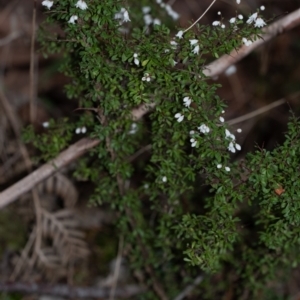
(117, 269)
(263, 109)
(9, 38)
(189, 288)
(200, 17)
(139, 152)
(31, 71)
(256, 112)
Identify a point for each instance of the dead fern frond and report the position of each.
(57, 243)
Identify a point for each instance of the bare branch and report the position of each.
(70, 292)
(9, 38)
(63, 159)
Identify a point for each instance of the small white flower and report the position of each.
(252, 18)
(146, 186)
(204, 129)
(223, 26)
(192, 132)
(133, 128)
(47, 3)
(196, 50)
(73, 19)
(259, 22)
(193, 142)
(146, 9)
(222, 119)
(187, 101)
(216, 23)
(174, 63)
(238, 1)
(231, 70)
(146, 77)
(164, 179)
(148, 19)
(223, 111)
(83, 129)
(232, 20)
(219, 166)
(46, 124)
(136, 60)
(81, 4)
(157, 21)
(219, 13)
(126, 16)
(227, 169)
(262, 8)
(229, 135)
(238, 147)
(179, 34)
(78, 130)
(179, 117)
(231, 147)
(193, 42)
(240, 17)
(174, 44)
(246, 42)
(239, 130)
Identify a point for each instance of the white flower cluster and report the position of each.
(179, 34)
(204, 129)
(179, 117)
(233, 146)
(47, 3)
(173, 14)
(218, 23)
(254, 18)
(148, 18)
(146, 77)
(79, 4)
(122, 16)
(197, 48)
(246, 42)
(135, 59)
(133, 128)
(187, 101)
(258, 21)
(219, 166)
(73, 19)
(80, 130)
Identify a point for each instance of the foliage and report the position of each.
(186, 208)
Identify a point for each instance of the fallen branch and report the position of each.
(70, 292)
(63, 159)
(215, 68)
